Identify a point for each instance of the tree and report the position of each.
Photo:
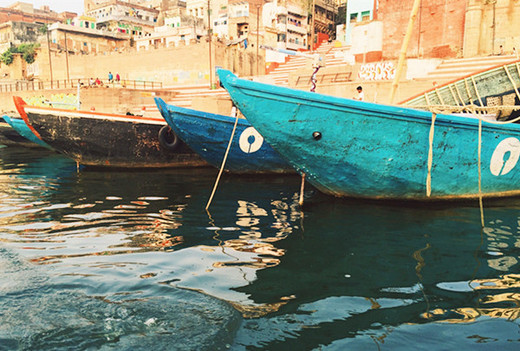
(28, 52)
(7, 57)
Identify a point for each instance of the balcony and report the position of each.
(281, 27)
(297, 29)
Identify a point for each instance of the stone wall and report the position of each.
(109, 100)
(182, 65)
(490, 24)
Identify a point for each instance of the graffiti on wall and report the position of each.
(377, 71)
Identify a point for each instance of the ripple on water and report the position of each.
(38, 314)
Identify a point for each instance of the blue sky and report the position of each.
(55, 5)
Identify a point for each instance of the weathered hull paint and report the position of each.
(21, 128)
(208, 135)
(107, 140)
(377, 151)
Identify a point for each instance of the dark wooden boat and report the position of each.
(108, 140)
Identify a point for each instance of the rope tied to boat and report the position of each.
(235, 113)
(479, 154)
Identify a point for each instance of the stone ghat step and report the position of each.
(480, 59)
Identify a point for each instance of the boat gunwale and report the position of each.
(202, 114)
(354, 106)
(90, 114)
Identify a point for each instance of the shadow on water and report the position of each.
(132, 260)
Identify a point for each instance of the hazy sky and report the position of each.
(55, 5)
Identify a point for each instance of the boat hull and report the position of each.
(208, 135)
(359, 149)
(21, 128)
(106, 140)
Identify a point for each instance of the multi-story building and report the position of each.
(323, 21)
(16, 33)
(243, 17)
(297, 28)
(358, 11)
(168, 36)
(25, 12)
(83, 38)
(122, 17)
(285, 25)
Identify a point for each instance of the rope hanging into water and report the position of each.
(479, 162)
(225, 158)
(302, 190)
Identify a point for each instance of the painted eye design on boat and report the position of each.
(316, 135)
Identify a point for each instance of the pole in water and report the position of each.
(302, 189)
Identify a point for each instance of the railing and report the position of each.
(73, 83)
(325, 78)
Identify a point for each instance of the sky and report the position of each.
(55, 5)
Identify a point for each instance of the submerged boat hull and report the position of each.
(107, 140)
(208, 135)
(359, 149)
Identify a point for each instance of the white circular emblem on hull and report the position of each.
(250, 140)
(505, 157)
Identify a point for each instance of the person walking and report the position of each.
(110, 77)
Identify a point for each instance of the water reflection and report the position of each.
(341, 274)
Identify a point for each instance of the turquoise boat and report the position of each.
(352, 148)
(208, 135)
(19, 126)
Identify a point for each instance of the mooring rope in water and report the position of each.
(302, 189)
(234, 111)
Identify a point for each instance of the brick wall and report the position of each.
(438, 29)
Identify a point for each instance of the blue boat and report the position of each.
(359, 149)
(19, 125)
(208, 135)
